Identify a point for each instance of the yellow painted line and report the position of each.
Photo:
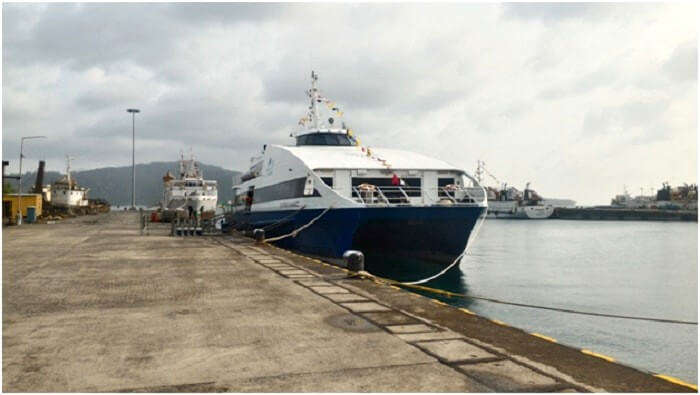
(499, 322)
(467, 311)
(547, 338)
(676, 381)
(601, 356)
(439, 302)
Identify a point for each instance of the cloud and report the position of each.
(536, 90)
(549, 12)
(683, 63)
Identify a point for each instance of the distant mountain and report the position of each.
(114, 183)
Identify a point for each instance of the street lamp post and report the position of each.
(21, 155)
(133, 112)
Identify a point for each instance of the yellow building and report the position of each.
(10, 204)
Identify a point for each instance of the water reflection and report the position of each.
(629, 268)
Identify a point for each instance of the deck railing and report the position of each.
(418, 196)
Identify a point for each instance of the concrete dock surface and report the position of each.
(90, 305)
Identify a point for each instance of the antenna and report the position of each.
(479, 171)
(314, 99)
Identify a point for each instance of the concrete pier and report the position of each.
(91, 305)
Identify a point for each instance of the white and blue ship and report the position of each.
(348, 196)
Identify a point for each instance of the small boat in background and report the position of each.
(511, 203)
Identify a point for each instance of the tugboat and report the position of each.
(329, 193)
(511, 203)
(190, 193)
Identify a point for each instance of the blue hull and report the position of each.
(437, 234)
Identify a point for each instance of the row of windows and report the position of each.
(325, 139)
(384, 182)
(293, 189)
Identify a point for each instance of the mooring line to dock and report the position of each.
(280, 222)
(475, 231)
(532, 306)
(296, 231)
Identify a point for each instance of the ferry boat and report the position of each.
(189, 193)
(330, 194)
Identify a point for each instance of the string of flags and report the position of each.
(304, 121)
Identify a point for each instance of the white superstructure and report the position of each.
(190, 192)
(332, 162)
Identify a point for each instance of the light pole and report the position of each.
(21, 155)
(133, 112)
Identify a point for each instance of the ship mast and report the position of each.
(314, 99)
(68, 158)
(182, 164)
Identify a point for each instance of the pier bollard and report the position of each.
(259, 235)
(354, 260)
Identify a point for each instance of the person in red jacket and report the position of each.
(395, 180)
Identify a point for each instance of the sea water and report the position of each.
(631, 268)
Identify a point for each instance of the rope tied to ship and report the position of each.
(283, 220)
(296, 231)
(455, 262)
(526, 305)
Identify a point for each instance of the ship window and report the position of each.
(291, 189)
(333, 139)
(445, 181)
(328, 181)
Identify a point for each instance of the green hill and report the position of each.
(114, 183)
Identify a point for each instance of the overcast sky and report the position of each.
(579, 99)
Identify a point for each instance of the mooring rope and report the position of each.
(280, 222)
(532, 306)
(455, 262)
(296, 231)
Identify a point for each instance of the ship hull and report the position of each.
(435, 234)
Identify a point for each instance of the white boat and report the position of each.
(511, 203)
(66, 193)
(190, 192)
(344, 195)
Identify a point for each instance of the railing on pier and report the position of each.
(373, 195)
